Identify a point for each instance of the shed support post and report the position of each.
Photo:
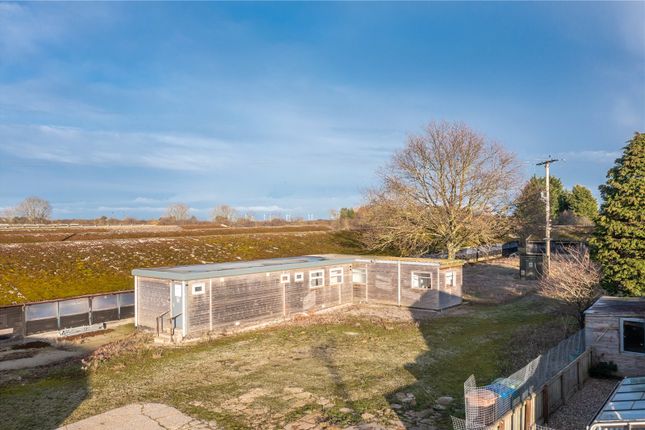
(136, 301)
(184, 317)
(210, 305)
(398, 286)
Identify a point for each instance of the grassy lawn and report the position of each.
(49, 270)
(273, 376)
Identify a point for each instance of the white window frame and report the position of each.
(312, 278)
(355, 270)
(622, 335)
(415, 280)
(285, 278)
(299, 277)
(195, 287)
(333, 274)
(452, 275)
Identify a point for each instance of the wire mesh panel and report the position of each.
(486, 405)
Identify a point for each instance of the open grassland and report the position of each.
(49, 270)
(267, 378)
(53, 233)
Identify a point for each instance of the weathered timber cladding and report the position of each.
(383, 285)
(153, 299)
(359, 291)
(11, 321)
(197, 307)
(602, 332)
(249, 299)
(241, 301)
(450, 295)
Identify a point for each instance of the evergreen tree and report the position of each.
(580, 201)
(530, 206)
(619, 241)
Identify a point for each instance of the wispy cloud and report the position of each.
(592, 156)
(271, 208)
(70, 145)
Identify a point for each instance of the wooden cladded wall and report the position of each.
(602, 333)
(249, 300)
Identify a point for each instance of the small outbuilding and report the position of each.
(615, 330)
(195, 300)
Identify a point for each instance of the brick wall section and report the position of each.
(153, 299)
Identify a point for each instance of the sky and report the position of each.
(121, 109)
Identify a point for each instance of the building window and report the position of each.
(316, 278)
(633, 335)
(450, 279)
(299, 277)
(285, 278)
(198, 289)
(422, 280)
(359, 276)
(336, 276)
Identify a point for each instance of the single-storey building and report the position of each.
(198, 299)
(615, 331)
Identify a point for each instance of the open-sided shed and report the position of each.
(198, 299)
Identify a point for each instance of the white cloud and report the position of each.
(105, 148)
(270, 208)
(593, 156)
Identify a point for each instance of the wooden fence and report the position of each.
(535, 409)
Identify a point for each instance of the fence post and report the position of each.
(24, 320)
(545, 402)
(118, 306)
(58, 315)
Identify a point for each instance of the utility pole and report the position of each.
(547, 239)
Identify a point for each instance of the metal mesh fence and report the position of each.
(460, 424)
(488, 404)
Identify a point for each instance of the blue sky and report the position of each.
(289, 108)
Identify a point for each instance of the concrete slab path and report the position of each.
(141, 416)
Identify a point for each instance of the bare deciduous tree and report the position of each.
(574, 280)
(224, 213)
(178, 212)
(34, 209)
(448, 188)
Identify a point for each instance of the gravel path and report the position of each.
(582, 407)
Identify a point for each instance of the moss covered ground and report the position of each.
(50, 270)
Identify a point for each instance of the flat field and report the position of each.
(51, 268)
(366, 359)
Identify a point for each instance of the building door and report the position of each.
(178, 304)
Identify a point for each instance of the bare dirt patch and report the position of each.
(496, 281)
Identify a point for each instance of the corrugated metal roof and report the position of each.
(618, 306)
(220, 270)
